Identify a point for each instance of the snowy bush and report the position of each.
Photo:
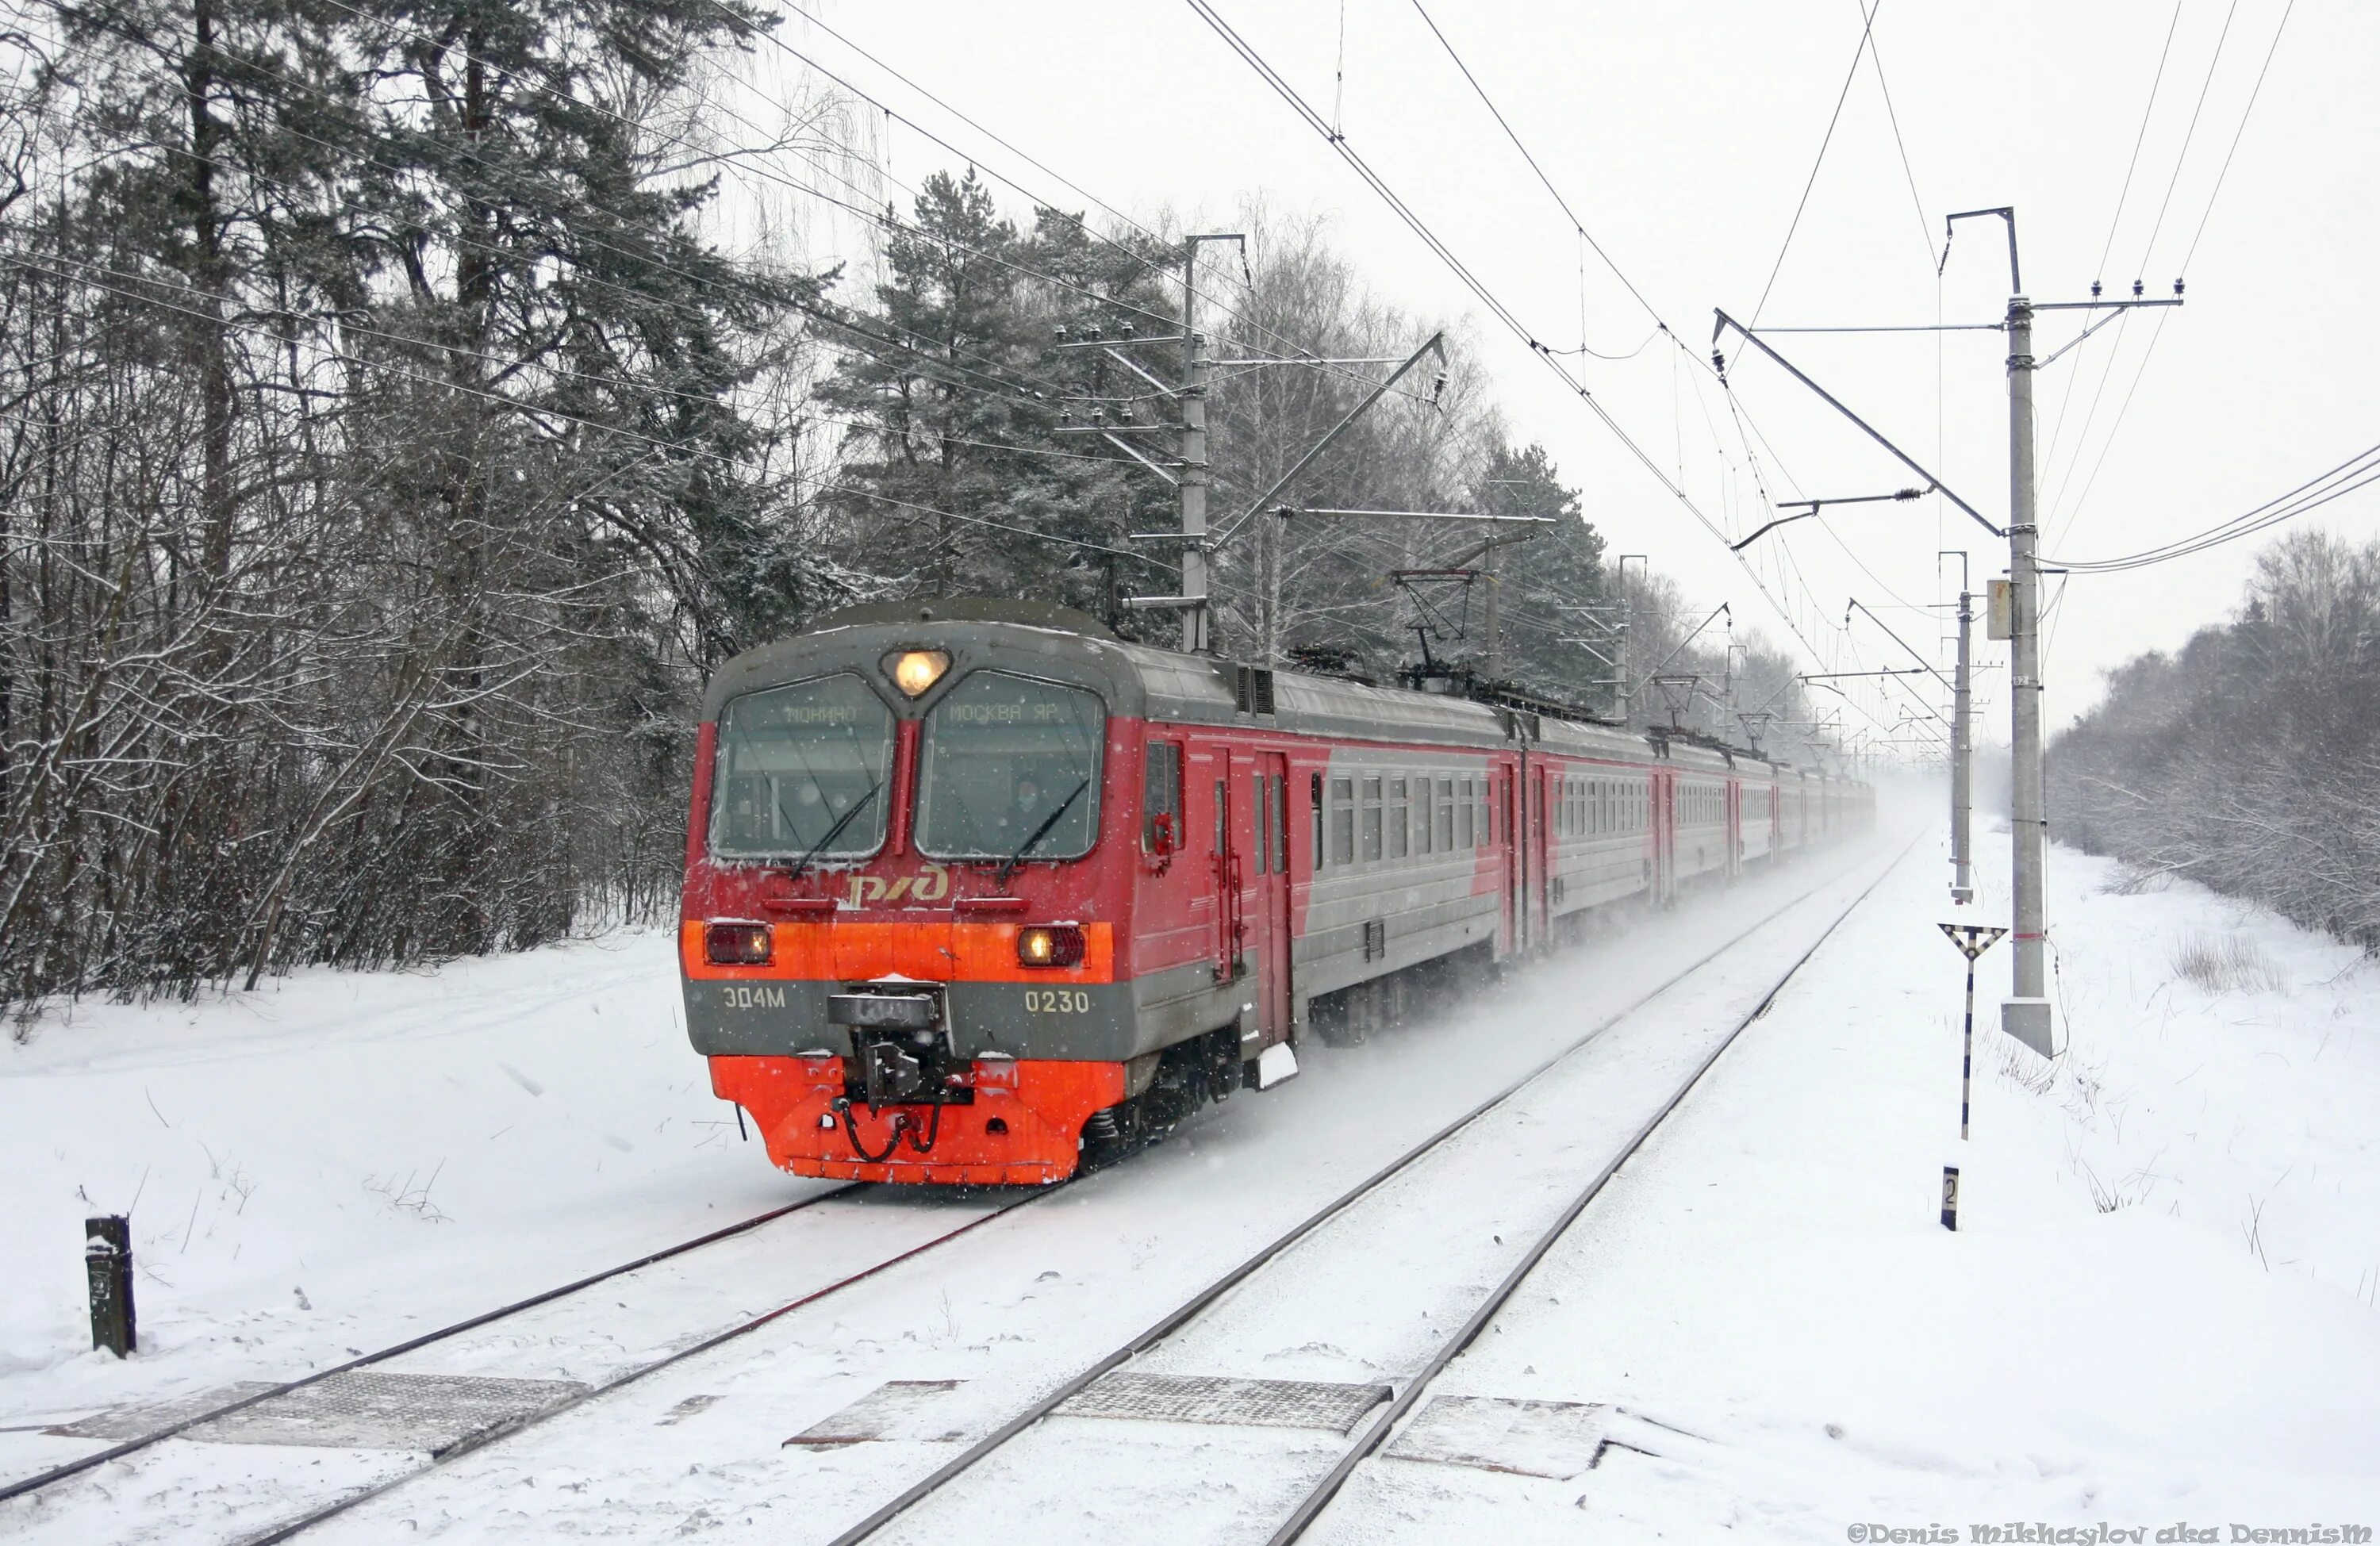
(2248, 760)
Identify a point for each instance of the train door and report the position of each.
(1665, 838)
(1508, 851)
(1261, 779)
(1541, 848)
(1734, 788)
(1233, 831)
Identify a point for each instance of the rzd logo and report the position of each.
(929, 884)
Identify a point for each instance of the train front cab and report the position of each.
(915, 850)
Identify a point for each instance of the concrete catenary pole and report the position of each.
(2025, 1014)
(1627, 632)
(1197, 628)
(1494, 585)
(1963, 762)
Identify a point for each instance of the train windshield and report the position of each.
(1010, 770)
(801, 772)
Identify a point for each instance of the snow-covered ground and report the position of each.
(1766, 1279)
(2158, 1309)
(343, 1160)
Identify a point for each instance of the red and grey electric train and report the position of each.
(975, 888)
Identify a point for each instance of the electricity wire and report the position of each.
(2116, 216)
(2225, 170)
(2356, 472)
(1147, 264)
(1867, 26)
(1661, 328)
(2182, 156)
(1495, 305)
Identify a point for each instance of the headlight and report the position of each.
(914, 670)
(1056, 944)
(735, 943)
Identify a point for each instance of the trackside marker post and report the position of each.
(1972, 940)
(107, 1258)
(1951, 1197)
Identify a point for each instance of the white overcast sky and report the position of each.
(1683, 135)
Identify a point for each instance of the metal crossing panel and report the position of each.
(1217, 1399)
(359, 1409)
(1557, 1439)
(897, 1409)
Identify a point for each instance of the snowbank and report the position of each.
(346, 1159)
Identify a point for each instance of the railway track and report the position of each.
(681, 1349)
(174, 1429)
(1408, 1391)
(307, 1519)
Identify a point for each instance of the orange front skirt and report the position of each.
(1024, 1127)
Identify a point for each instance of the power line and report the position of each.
(1924, 227)
(2356, 472)
(2116, 216)
(1471, 282)
(1662, 327)
(1571, 215)
(2205, 215)
(1868, 25)
(2183, 155)
(2235, 135)
(2114, 427)
(1258, 328)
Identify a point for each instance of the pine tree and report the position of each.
(956, 479)
(1548, 577)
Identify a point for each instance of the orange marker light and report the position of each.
(736, 944)
(914, 670)
(1059, 946)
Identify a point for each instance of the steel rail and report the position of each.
(487, 1436)
(1311, 1508)
(134, 1445)
(1190, 1309)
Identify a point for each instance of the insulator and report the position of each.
(2137, 289)
(2177, 286)
(2095, 289)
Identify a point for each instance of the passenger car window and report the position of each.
(1161, 792)
(1263, 823)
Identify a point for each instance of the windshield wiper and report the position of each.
(1008, 866)
(832, 833)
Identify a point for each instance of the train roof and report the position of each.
(1143, 682)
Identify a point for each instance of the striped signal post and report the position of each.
(1972, 940)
